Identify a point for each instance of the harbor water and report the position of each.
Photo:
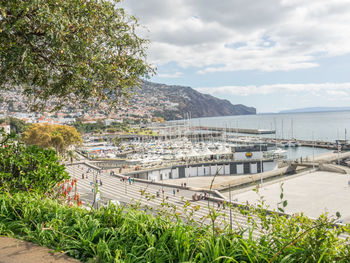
(318, 126)
(322, 126)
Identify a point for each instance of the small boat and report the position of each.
(284, 144)
(293, 143)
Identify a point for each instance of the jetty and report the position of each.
(235, 130)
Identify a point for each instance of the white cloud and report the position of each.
(329, 91)
(170, 75)
(277, 35)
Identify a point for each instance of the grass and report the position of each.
(129, 234)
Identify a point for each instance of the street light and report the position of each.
(313, 151)
(261, 167)
(230, 207)
(95, 188)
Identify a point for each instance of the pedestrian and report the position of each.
(224, 205)
(100, 182)
(133, 180)
(218, 204)
(185, 184)
(178, 191)
(174, 192)
(129, 180)
(82, 176)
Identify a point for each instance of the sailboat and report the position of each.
(293, 142)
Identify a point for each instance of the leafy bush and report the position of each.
(120, 234)
(28, 168)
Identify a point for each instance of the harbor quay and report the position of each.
(179, 166)
(311, 193)
(202, 169)
(153, 196)
(117, 186)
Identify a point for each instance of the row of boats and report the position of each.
(292, 143)
(174, 150)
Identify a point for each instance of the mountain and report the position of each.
(316, 109)
(175, 102)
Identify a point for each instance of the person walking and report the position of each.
(174, 192)
(100, 182)
(133, 180)
(129, 180)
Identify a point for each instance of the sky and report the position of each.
(269, 54)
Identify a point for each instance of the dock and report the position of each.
(235, 130)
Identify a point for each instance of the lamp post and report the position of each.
(95, 188)
(261, 168)
(230, 207)
(313, 151)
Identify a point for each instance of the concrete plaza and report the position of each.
(311, 193)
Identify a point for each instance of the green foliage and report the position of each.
(72, 50)
(28, 168)
(128, 234)
(98, 126)
(17, 126)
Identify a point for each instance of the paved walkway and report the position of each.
(114, 189)
(311, 193)
(19, 251)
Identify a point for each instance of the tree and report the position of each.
(17, 126)
(82, 51)
(47, 135)
(28, 168)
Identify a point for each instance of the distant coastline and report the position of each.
(316, 109)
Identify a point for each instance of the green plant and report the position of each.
(28, 168)
(129, 234)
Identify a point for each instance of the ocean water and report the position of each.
(317, 126)
(323, 126)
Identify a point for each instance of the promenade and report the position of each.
(312, 193)
(181, 203)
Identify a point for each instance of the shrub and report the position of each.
(118, 234)
(28, 168)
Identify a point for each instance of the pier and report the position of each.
(235, 130)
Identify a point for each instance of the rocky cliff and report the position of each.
(175, 102)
